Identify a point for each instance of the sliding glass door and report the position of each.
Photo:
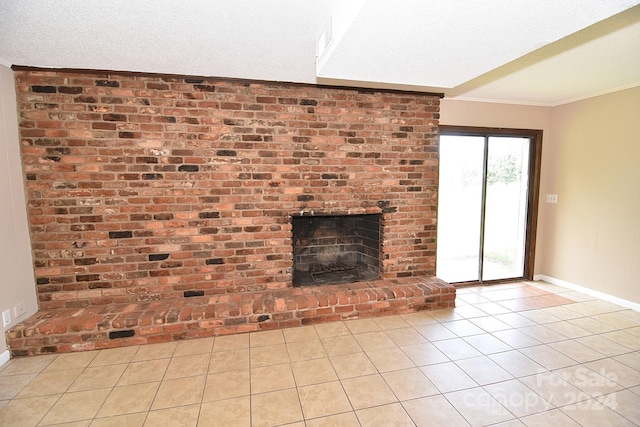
(484, 206)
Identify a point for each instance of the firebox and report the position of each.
(331, 249)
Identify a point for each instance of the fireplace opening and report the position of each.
(336, 249)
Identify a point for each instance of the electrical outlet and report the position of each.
(6, 317)
(19, 310)
(552, 198)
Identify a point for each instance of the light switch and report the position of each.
(552, 198)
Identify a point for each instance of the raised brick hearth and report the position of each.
(116, 325)
(162, 206)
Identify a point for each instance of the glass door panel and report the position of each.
(483, 205)
(459, 207)
(505, 215)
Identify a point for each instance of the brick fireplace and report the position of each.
(163, 207)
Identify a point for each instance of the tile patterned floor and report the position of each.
(522, 354)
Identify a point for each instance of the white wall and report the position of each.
(17, 284)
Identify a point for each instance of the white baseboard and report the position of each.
(588, 291)
(4, 357)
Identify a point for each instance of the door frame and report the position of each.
(535, 161)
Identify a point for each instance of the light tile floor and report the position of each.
(514, 354)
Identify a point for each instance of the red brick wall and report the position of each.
(143, 187)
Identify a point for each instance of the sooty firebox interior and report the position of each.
(336, 249)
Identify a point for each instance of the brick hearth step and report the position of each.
(118, 325)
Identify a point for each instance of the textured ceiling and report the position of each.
(544, 52)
